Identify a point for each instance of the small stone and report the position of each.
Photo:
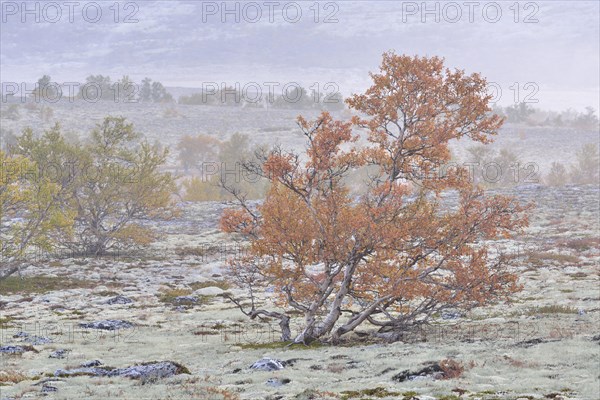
(450, 315)
(49, 389)
(92, 363)
(100, 289)
(185, 299)
(276, 382)
(119, 300)
(60, 353)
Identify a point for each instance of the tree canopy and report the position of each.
(394, 255)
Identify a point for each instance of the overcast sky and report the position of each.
(187, 43)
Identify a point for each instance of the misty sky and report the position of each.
(186, 44)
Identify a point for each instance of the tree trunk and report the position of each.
(335, 311)
(306, 336)
(284, 324)
(8, 273)
(356, 320)
(10, 269)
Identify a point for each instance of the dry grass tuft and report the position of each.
(452, 369)
(552, 309)
(541, 259)
(11, 376)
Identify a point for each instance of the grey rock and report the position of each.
(82, 371)
(531, 342)
(160, 369)
(107, 324)
(276, 382)
(38, 340)
(185, 299)
(268, 364)
(46, 380)
(60, 353)
(432, 371)
(49, 389)
(119, 300)
(12, 349)
(450, 315)
(157, 370)
(92, 363)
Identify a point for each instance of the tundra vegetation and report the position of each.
(88, 198)
(214, 161)
(391, 256)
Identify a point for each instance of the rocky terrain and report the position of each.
(154, 325)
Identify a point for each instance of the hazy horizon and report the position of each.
(188, 45)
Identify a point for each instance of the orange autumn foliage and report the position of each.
(395, 255)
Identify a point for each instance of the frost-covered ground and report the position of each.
(543, 344)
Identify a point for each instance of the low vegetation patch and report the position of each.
(106, 293)
(182, 297)
(552, 309)
(5, 322)
(41, 284)
(378, 392)
(279, 345)
(195, 251)
(169, 295)
(201, 285)
(410, 395)
(541, 259)
(451, 369)
(578, 275)
(581, 244)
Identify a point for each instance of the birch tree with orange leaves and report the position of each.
(395, 255)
